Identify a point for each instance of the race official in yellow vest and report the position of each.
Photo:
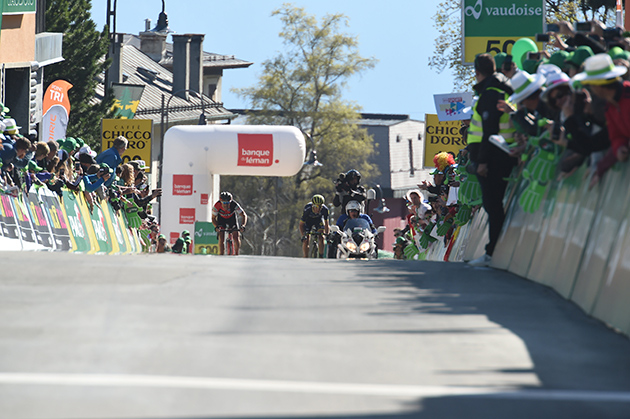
(493, 164)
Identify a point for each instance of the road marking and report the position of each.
(115, 380)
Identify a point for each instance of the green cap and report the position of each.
(558, 59)
(80, 142)
(106, 166)
(33, 166)
(616, 53)
(69, 144)
(499, 59)
(577, 57)
(531, 66)
(161, 236)
(185, 233)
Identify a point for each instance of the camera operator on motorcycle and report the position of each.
(314, 218)
(347, 189)
(224, 217)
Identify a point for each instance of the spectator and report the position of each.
(493, 165)
(182, 243)
(113, 155)
(162, 245)
(604, 79)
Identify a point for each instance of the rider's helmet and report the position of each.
(353, 174)
(317, 200)
(225, 196)
(353, 205)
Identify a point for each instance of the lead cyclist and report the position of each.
(227, 214)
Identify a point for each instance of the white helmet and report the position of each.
(353, 205)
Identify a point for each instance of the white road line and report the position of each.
(115, 380)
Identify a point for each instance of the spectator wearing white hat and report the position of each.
(527, 91)
(604, 80)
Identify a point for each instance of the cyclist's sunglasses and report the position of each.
(225, 202)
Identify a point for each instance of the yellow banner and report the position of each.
(139, 133)
(492, 44)
(441, 136)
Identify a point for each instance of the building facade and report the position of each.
(25, 50)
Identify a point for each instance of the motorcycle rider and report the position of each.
(353, 210)
(314, 218)
(224, 213)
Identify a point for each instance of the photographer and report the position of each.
(348, 189)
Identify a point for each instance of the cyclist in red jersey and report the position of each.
(227, 214)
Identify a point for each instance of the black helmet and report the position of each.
(225, 196)
(352, 174)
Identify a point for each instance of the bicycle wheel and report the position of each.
(229, 246)
(313, 247)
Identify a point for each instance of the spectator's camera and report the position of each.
(612, 33)
(584, 27)
(533, 56)
(580, 102)
(553, 27)
(507, 63)
(555, 132)
(542, 37)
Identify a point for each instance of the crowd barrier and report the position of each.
(41, 220)
(577, 243)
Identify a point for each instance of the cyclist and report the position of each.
(314, 218)
(227, 214)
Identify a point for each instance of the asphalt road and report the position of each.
(166, 336)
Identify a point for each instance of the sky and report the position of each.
(400, 34)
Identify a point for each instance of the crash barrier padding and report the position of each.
(577, 242)
(41, 220)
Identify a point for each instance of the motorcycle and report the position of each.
(357, 240)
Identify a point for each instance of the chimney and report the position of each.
(196, 63)
(181, 65)
(114, 74)
(153, 44)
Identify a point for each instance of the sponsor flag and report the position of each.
(56, 111)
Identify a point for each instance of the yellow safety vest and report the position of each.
(475, 130)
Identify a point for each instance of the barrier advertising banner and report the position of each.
(100, 229)
(24, 221)
(139, 133)
(205, 239)
(7, 218)
(78, 228)
(441, 136)
(40, 220)
(57, 220)
(493, 26)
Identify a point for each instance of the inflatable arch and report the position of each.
(196, 155)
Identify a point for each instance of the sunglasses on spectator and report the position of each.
(559, 95)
